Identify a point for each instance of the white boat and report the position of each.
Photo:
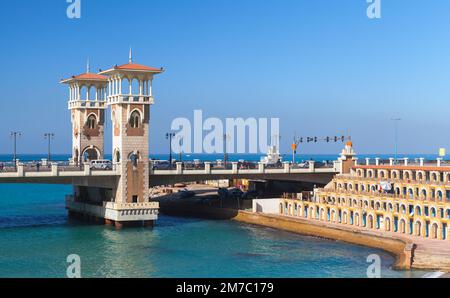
(273, 156)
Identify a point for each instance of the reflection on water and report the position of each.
(37, 238)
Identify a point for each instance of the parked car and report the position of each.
(101, 165)
(161, 165)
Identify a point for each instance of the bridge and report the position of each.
(121, 196)
(60, 173)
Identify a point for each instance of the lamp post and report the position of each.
(225, 154)
(396, 121)
(49, 136)
(15, 135)
(180, 143)
(169, 137)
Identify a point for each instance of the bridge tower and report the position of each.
(130, 98)
(347, 158)
(87, 103)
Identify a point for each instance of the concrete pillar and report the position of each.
(150, 91)
(391, 161)
(312, 166)
(377, 161)
(54, 169)
(20, 170)
(261, 167)
(234, 167)
(367, 161)
(421, 161)
(287, 167)
(87, 169)
(207, 167)
(439, 161)
(406, 161)
(356, 161)
(179, 167)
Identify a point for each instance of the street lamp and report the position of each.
(396, 121)
(169, 137)
(49, 136)
(180, 143)
(226, 137)
(15, 135)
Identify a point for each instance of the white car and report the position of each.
(101, 165)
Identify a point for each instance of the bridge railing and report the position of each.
(36, 169)
(246, 168)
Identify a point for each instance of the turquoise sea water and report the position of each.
(36, 238)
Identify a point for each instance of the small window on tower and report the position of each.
(92, 122)
(135, 119)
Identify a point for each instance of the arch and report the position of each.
(387, 224)
(418, 228)
(134, 157)
(402, 226)
(345, 217)
(125, 85)
(377, 205)
(357, 220)
(403, 208)
(91, 121)
(322, 215)
(447, 213)
(434, 232)
(406, 175)
(90, 153)
(434, 176)
(420, 175)
(135, 119)
(92, 93)
(411, 193)
(390, 207)
(333, 215)
(311, 212)
(135, 86)
(370, 221)
(394, 174)
(439, 195)
(433, 212)
(423, 193)
(418, 211)
(83, 92)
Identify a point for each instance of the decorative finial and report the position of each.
(131, 55)
(88, 66)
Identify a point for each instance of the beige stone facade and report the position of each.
(406, 199)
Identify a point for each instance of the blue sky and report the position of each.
(322, 66)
